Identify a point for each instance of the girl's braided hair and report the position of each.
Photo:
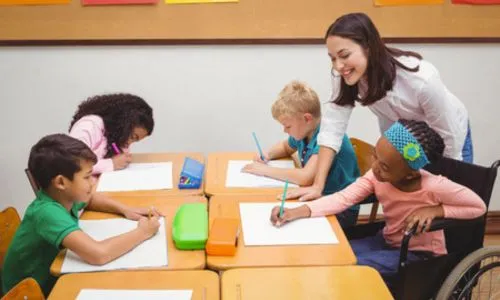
(431, 141)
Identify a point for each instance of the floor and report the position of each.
(489, 285)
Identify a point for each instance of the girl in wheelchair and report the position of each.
(409, 196)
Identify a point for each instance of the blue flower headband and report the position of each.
(407, 145)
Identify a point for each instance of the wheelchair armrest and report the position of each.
(363, 230)
(437, 224)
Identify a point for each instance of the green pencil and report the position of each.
(282, 207)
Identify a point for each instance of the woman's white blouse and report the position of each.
(419, 96)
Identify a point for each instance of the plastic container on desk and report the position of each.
(190, 226)
(191, 174)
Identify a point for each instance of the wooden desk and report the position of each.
(348, 282)
(177, 160)
(275, 256)
(177, 259)
(215, 183)
(205, 284)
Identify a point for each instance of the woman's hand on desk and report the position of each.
(289, 214)
(304, 193)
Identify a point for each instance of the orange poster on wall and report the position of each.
(197, 1)
(117, 2)
(480, 2)
(33, 2)
(406, 2)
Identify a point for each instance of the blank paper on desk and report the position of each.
(151, 253)
(236, 178)
(137, 177)
(258, 230)
(94, 294)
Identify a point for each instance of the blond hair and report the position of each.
(296, 97)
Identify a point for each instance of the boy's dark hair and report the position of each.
(382, 62)
(57, 154)
(430, 140)
(121, 113)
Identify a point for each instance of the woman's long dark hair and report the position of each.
(121, 113)
(382, 62)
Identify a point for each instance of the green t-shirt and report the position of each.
(38, 241)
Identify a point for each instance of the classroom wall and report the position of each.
(205, 98)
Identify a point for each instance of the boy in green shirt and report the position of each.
(299, 111)
(62, 166)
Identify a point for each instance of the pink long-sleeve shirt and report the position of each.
(458, 202)
(90, 130)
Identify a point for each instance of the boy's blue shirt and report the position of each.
(344, 169)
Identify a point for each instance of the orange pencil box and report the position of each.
(223, 237)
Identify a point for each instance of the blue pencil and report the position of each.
(258, 146)
(282, 207)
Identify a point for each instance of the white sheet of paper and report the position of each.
(94, 294)
(258, 230)
(137, 177)
(236, 178)
(151, 253)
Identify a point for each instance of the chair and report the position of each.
(28, 289)
(34, 185)
(422, 279)
(364, 156)
(9, 222)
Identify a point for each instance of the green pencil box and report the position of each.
(190, 226)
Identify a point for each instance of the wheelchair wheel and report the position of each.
(477, 276)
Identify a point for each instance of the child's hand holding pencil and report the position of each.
(149, 226)
(281, 215)
(135, 213)
(120, 160)
(261, 157)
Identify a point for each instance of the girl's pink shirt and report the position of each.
(458, 202)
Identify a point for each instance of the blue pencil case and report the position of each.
(191, 174)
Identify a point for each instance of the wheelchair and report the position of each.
(454, 275)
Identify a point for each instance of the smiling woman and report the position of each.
(109, 124)
(393, 84)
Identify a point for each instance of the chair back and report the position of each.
(26, 289)
(9, 222)
(477, 178)
(364, 156)
(34, 185)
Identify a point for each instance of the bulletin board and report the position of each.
(246, 21)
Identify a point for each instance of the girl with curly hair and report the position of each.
(109, 124)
